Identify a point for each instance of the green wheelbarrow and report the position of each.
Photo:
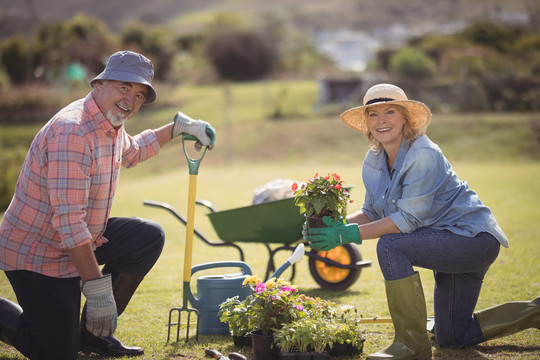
(278, 226)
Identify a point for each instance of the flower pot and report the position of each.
(288, 356)
(355, 350)
(242, 340)
(304, 355)
(262, 346)
(339, 349)
(320, 356)
(314, 222)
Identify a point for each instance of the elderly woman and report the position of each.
(424, 216)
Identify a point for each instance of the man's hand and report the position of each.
(100, 306)
(203, 131)
(334, 235)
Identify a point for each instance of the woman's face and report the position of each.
(386, 122)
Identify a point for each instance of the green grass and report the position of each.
(496, 153)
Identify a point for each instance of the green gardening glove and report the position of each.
(335, 234)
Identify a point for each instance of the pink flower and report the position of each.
(260, 287)
(288, 288)
(299, 307)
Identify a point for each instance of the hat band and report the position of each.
(378, 100)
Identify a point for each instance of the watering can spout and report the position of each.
(297, 255)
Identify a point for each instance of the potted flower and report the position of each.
(286, 341)
(348, 333)
(309, 336)
(322, 196)
(233, 312)
(271, 305)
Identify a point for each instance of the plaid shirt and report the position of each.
(65, 190)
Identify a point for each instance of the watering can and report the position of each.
(212, 290)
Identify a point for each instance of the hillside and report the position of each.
(190, 15)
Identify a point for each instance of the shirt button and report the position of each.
(383, 196)
(394, 201)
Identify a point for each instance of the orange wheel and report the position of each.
(332, 277)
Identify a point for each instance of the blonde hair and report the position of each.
(410, 132)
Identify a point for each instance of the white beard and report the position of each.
(116, 120)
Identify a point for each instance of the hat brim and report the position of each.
(127, 77)
(356, 117)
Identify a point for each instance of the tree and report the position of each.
(13, 56)
(412, 63)
(240, 55)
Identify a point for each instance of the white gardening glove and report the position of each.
(203, 131)
(101, 313)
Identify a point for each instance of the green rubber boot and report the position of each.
(408, 310)
(509, 318)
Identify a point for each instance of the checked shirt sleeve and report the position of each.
(69, 170)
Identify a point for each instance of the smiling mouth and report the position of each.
(123, 108)
(384, 129)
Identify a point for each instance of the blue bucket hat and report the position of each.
(129, 66)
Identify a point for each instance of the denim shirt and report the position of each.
(422, 191)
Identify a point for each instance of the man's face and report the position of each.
(118, 100)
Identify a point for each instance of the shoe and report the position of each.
(10, 318)
(107, 346)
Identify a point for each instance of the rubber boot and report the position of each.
(509, 318)
(124, 285)
(408, 311)
(10, 315)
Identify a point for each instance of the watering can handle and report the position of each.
(246, 270)
(193, 164)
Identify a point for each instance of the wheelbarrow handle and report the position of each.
(193, 164)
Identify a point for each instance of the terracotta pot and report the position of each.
(262, 346)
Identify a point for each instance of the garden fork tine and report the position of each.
(190, 224)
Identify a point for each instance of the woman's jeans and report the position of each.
(51, 306)
(459, 264)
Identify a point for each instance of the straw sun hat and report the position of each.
(420, 115)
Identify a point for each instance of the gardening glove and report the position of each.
(100, 306)
(335, 234)
(203, 131)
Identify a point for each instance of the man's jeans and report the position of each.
(459, 264)
(49, 326)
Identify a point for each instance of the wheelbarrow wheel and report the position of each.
(332, 277)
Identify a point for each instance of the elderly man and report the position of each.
(57, 230)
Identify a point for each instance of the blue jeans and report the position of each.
(459, 264)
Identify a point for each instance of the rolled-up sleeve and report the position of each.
(139, 148)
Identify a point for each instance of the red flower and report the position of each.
(294, 187)
(336, 176)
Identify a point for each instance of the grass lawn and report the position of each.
(510, 189)
(497, 154)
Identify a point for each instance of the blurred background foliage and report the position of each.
(485, 66)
